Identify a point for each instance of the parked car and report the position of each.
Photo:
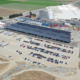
(20, 53)
(16, 50)
(26, 41)
(21, 45)
(24, 46)
(10, 57)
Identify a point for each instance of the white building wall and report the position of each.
(50, 13)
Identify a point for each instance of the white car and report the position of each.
(5, 44)
(0, 44)
(42, 64)
(30, 61)
(22, 57)
(19, 38)
(6, 33)
(1, 31)
(11, 33)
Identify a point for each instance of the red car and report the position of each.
(60, 25)
(38, 39)
(28, 16)
(56, 24)
(64, 26)
(53, 46)
(41, 40)
(48, 42)
(24, 46)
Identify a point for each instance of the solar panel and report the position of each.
(41, 31)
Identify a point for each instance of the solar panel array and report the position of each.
(41, 31)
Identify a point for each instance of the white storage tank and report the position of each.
(50, 13)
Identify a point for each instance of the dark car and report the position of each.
(34, 62)
(16, 50)
(72, 23)
(31, 53)
(21, 45)
(48, 46)
(57, 54)
(64, 50)
(51, 53)
(71, 47)
(61, 62)
(25, 58)
(45, 45)
(71, 52)
(28, 46)
(42, 50)
(39, 57)
(52, 61)
(56, 61)
(20, 53)
(35, 48)
(38, 63)
(26, 41)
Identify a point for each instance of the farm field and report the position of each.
(28, 4)
(28, 7)
(6, 12)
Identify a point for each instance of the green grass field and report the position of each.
(28, 5)
(45, 3)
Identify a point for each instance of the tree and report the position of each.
(15, 15)
(30, 13)
(20, 14)
(1, 18)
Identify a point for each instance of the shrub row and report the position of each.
(1, 18)
(32, 14)
(15, 15)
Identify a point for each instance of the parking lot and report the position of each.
(43, 51)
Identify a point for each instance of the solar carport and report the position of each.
(41, 31)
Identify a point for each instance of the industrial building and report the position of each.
(67, 11)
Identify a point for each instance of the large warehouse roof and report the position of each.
(41, 31)
(68, 11)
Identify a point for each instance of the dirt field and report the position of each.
(6, 12)
(34, 75)
(3, 66)
(2, 59)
